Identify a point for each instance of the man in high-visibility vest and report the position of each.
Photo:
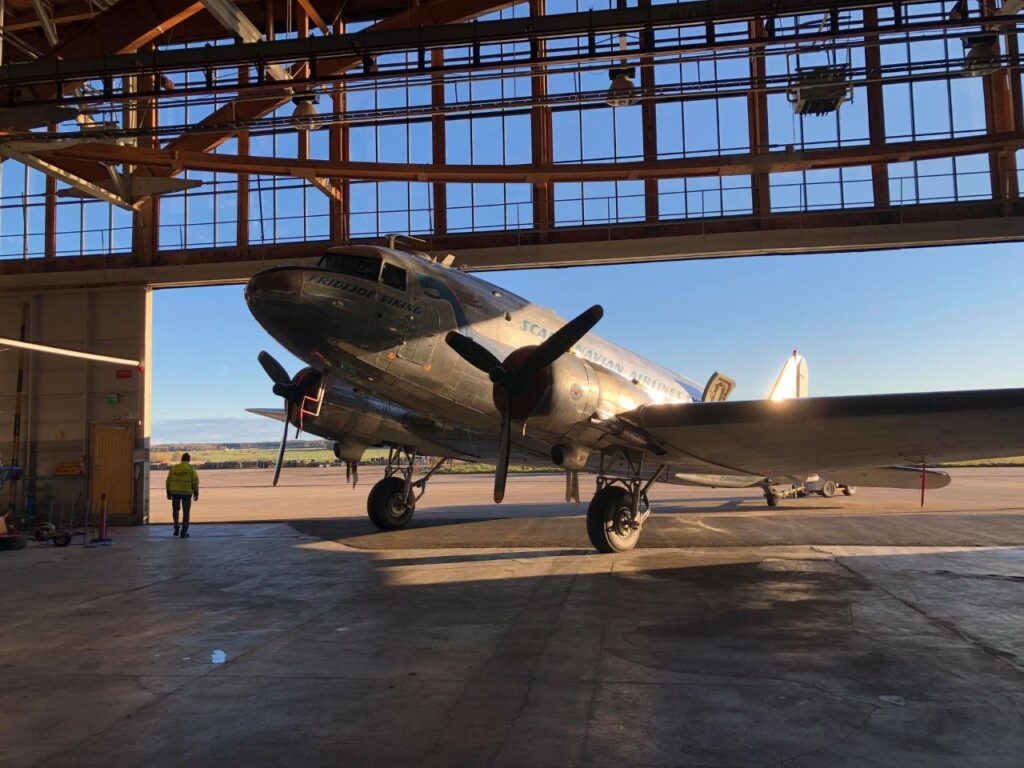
(182, 490)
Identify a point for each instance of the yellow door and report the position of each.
(110, 467)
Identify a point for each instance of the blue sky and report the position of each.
(886, 321)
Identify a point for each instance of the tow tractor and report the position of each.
(819, 485)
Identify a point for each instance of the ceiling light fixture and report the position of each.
(982, 56)
(305, 114)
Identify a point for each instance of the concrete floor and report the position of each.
(772, 640)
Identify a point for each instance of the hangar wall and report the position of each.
(71, 408)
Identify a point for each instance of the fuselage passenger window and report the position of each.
(366, 267)
(393, 277)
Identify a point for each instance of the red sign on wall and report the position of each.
(123, 373)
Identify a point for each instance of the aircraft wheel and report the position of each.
(772, 499)
(828, 489)
(609, 520)
(387, 506)
(849, 490)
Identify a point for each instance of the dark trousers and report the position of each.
(182, 501)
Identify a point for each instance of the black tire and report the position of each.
(386, 505)
(772, 499)
(828, 489)
(609, 510)
(13, 541)
(61, 538)
(849, 490)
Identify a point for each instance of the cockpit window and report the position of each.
(393, 277)
(366, 267)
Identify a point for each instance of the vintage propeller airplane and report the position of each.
(412, 354)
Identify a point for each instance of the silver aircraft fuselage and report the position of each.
(376, 319)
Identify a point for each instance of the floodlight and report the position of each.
(622, 92)
(820, 90)
(982, 55)
(305, 114)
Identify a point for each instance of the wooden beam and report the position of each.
(168, 161)
(315, 17)
(433, 12)
(809, 232)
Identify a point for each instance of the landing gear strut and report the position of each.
(619, 508)
(392, 501)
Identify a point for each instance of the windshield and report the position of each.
(366, 267)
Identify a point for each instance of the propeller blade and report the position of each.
(474, 354)
(274, 369)
(501, 469)
(561, 341)
(284, 439)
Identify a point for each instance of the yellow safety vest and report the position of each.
(183, 478)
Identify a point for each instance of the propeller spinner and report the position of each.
(522, 378)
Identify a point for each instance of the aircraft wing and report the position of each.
(825, 434)
(277, 414)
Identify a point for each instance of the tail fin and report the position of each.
(792, 379)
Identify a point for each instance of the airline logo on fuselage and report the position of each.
(594, 356)
(344, 286)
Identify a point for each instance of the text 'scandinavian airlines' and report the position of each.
(412, 354)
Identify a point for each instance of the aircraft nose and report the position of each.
(273, 292)
(275, 284)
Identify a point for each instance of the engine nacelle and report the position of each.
(578, 391)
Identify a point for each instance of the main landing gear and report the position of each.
(392, 501)
(620, 507)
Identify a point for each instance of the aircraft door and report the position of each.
(393, 307)
(421, 336)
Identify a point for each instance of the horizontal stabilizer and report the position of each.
(718, 388)
(277, 414)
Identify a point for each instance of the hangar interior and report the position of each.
(149, 143)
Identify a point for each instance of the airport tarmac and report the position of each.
(980, 507)
(842, 632)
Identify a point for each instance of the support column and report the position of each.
(1000, 118)
(649, 121)
(876, 109)
(50, 214)
(540, 140)
(145, 230)
(440, 147)
(757, 121)
(242, 184)
(338, 153)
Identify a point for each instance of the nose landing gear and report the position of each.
(392, 501)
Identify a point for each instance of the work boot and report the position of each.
(176, 530)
